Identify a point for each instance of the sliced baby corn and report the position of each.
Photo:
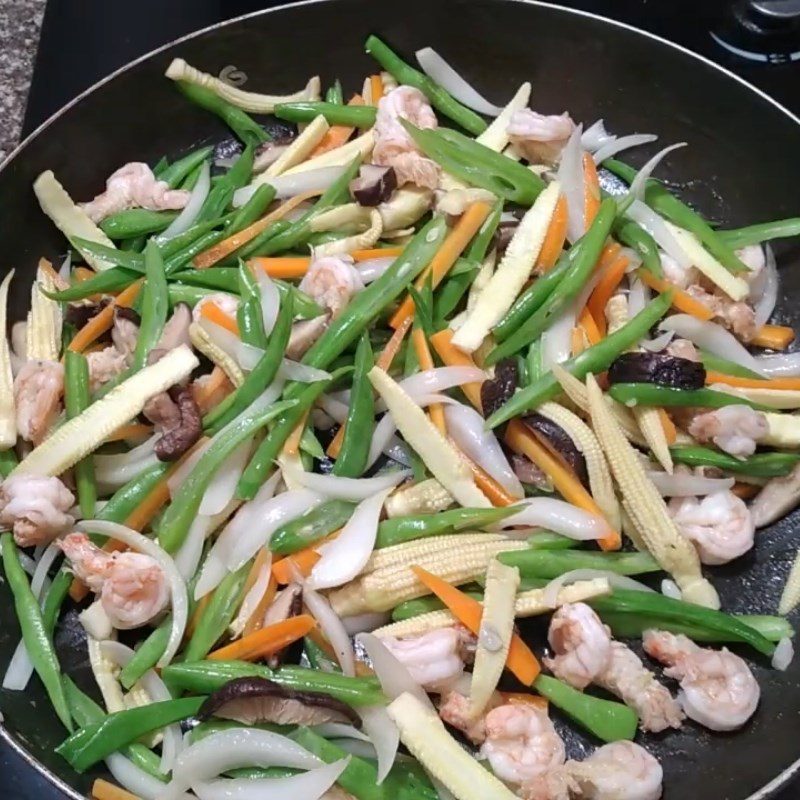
(600, 482)
(68, 217)
(425, 497)
(527, 604)
(784, 431)
(616, 312)
(299, 150)
(790, 598)
(179, 70)
(358, 241)
(81, 435)
(407, 205)
(227, 363)
(105, 673)
(339, 156)
(494, 636)
(425, 736)
(8, 417)
(43, 332)
(631, 531)
(441, 458)
(480, 282)
(643, 502)
(347, 217)
(649, 422)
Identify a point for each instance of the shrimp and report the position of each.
(683, 348)
(38, 389)
(720, 525)
(393, 145)
(454, 710)
(617, 771)
(304, 334)
(35, 508)
(540, 138)
(109, 362)
(521, 743)
(134, 185)
(433, 659)
(738, 317)
(132, 587)
(331, 282)
(735, 429)
(175, 333)
(718, 689)
(581, 644)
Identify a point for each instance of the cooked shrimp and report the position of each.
(738, 317)
(683, 348)
(35, 508)
(331, 282)
(540, 138)
(304, 334)
(734, 429)
(109, 362)
(617, 771)
(720, 525)
(175, 333)
(394, 147)
(454, 710)
(581, 644)
(132, 587)
(134, 186)
(521, 743)
(38, 389)
(433, 659)
(718, 689)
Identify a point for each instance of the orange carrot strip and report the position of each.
(420, 344)
(103, 790)
(524, 699)
(784, 384)
(680, 299)
(376, 88)
(335, 447)
(670, 433)
(376, 252)
(776, 337)
(554, 238)
(609, 280)
(452, 247)
(746, 491)
(256, 622)
(453, 357)
(337, 135)
(587, 322)
(285, 267)
(520, 661)
(265, 642)
(292, 444)
(104, 319)
(133, 430)
(213, 390)
(523, 441)
(497, 495)
(303, 561)
(213, 313)
(591, 190)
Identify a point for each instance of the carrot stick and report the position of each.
(104, 319)
(776, 337)
(554, 238)
(212, 391)
(133, 430)
(591, 190)
(376, 88)
(784, 384)
(522, 441)
(497, 495)
(609, 280)
(376, 252)
(524, 699)
(578, 340)
(303, 561)
(452, 247)
(103, 790)
(520, 661)
(670, 433)
(285, 267)
(337, 135)
(453, 357)
(265, 642)
(292, 444)
(746, 491)
(420, 344)
(587, 322)
(213, 313)
(680, 299)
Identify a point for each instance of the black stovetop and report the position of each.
(84, 40)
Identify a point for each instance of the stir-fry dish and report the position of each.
(307, 424)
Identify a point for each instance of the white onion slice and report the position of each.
(135, 779)
(671, 589)
(331, 625)
(570, 176)
(550, 596)
(65, 270)
(190, 211)
(657, 228)
(334, 408)
(638, 297)
(440, 378)
(373, 268)
(354, 489)
(121, 467)
(383, 734)
(295, 371)
(557, 339)
(714, 338)
(344, 557)
(245, 355)
(769, 290)
(312, 180)
(560, 517)
(596, 136)
(620, 143)
(365, 623)
(270, 300)
(683, 485)
(177, 586)
(437, 69)
(222, 487)
(381, 437)
(252, 598)
(339, 730)
(187, 559)
(639, 183)
(783, 655)
(785, 365)
(179, 476)
(657, 344)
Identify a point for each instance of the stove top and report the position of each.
(757, 39)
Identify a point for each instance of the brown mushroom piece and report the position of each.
(78, 314)
(557, 440)
(255, 701)
(178, 439)
(659, 368)
(495, 393)
(374, 185)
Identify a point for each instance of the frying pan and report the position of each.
(739, 168)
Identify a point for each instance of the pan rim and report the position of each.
(771, 787)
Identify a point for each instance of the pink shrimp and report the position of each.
(433, 659)
(331, 282)
(454, 710)
(540, 138)
(38, 389)
(738, 317)
(617, 771)
(734, 429)
(132, 587)
(35, 508)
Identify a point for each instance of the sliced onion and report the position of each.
(620, 143)
(769, 290)
(671, 589)
(657, 344)
(570, 176)
(344, 557)
(65, 270)
(179, 476)
(381, 437)
(340, 730)
(373, 268)
(638, 297)
(365, 623)
(119, 468)
(270, 300)
(596, 136)
(683, 485)
(468, 430)
(437, 69)
(560, 517)
(383, 734)
(28, 564)
(357, 748)
(353, 489)
(295, 371)
(177, 586)
(557, 339)
(312, 180)
(222, 487)
(714, 338)
(785, 365)
(783, 655)
(252, 598)
(191, 210)
(550, 596)
(643, 175)
(268, 156)
(440, 378)
(657, 228)
(245, 355)
(398, 451)
(331, 625)
(335, 409)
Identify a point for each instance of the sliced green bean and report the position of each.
(552, 563)
(310, 527)
(221, 195)
(334, 113)
(175, 173)
(763, 232)
(717, 364)
(635, 236)
(136, 222)
(76, 400)
(155, 305)
(405, 529)
(759, 465)
(651, 394)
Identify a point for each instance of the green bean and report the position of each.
(248, 312)
(477, 164)
(635, 236)
(552, 563)
(334, 113)
(262, 461)
(155, 303)
(482, 241)
(253, 209)
(547, 540)
(147, 655)
(260, 377)
(591, 245)
(764, 232)
(310, 527)
(34, 633)
(406, 75)
(651, 394)
(769, 626)
(405, 529)
(191, 295)
(256, 245)
(718, 364)
(241, 123)
(175, 173)
(54, 599)
(318, 658)
(182, 258)
(77, 400)
(666, 204)
(182, 510)
(352, 459)
(8, 460)
(221, 195)
(759, 465)
(451, 292)
(334, 93)
(594, 359)
(160, 167)
(113, 255)
(98, 740)
(136, 222)
(310, 445)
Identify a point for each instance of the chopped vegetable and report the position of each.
(8, 419)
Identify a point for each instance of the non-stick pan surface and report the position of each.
(740, 167)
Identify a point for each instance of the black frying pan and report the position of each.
(740, 167)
